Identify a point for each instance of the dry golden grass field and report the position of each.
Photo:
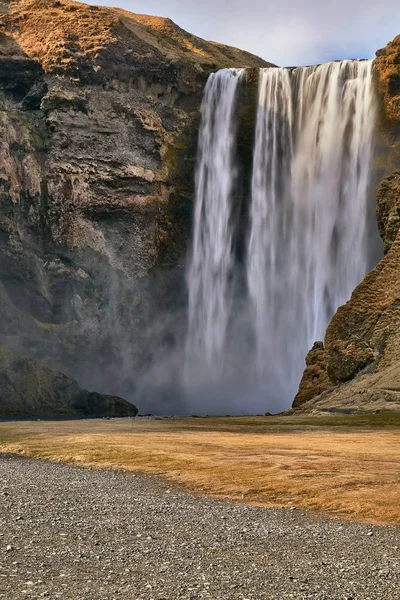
(348, 466)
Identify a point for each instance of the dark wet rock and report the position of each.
(28, 390)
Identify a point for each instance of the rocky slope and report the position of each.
(28, 390)
(358, 366)
(98, 119)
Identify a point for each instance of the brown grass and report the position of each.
(73, 38)
(348, 467)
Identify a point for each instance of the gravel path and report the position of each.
(81, 534)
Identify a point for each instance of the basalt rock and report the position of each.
(388, 209)
(387, 67)
(387, 71)
(315, 380)
(99, 111)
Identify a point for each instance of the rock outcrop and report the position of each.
(315, 380)
(99, 111)
(388, 84)
(28, 390)
(387, 66)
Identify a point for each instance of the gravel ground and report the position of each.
(81, 534)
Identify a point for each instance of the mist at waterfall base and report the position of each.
(306, 225)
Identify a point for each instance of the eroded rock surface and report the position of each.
(387, 66)
(315, 379)
(387, 71)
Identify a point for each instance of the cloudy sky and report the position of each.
(285, 32)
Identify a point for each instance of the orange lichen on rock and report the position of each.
(387, 66)
(69, 37)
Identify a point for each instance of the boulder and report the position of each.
(315, 379)
(29, 390)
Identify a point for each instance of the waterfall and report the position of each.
(311, 178)
(271, 172)
(307, 231)
(210, 270)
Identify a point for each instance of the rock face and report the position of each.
(358, 368)
(388, 209)
(387, 66)
(28, 390)
(99, 111)
(315, 379)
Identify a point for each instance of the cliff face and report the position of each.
(99, 111)
(388, 85)
(387, 65)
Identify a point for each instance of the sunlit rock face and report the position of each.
(387, 79)
(98, 125)
(387, 66)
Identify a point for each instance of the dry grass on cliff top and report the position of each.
(61, 33)
(346, 466)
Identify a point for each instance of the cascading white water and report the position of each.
(210, 270)
(311, 177)
(308, 223)
(271, 177)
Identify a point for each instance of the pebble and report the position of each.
(105, 535)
